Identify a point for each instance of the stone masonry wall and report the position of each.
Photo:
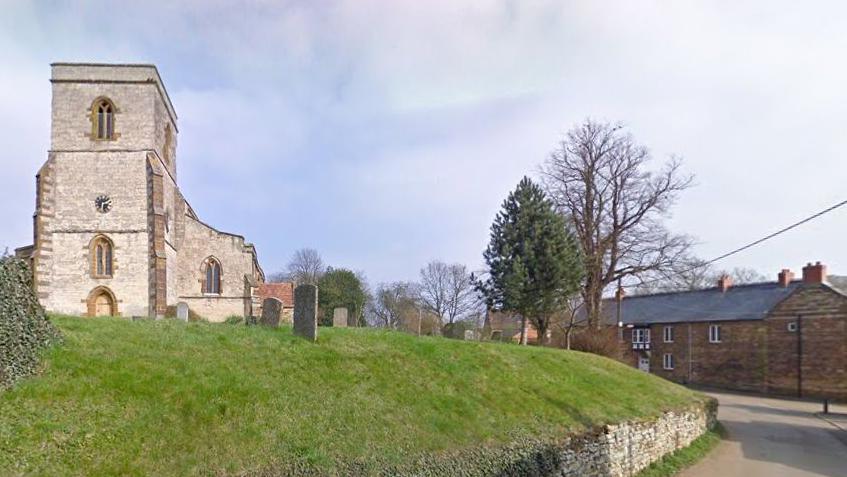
(64, 273)
(198, 243)
(615, 450)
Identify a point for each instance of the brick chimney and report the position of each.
(813, 274)
(785, 277)
(724, 282)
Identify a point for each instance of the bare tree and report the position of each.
(570, 318)
(599, 181)
(306, 267)
(695, 275)
(448, 291)
(392, 303)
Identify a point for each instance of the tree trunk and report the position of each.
(593, 299)
(542, 336)
(523, 330)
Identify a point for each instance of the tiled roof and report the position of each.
(283, 292)
(739, 302)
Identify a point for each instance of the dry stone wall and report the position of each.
(618, 450)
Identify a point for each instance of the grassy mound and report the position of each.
(169, 398)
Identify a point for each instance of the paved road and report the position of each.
(775, 438)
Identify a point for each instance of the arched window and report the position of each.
(103, 119)
(101, 257)
(212, 280)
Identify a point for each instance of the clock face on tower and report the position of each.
(103, 203)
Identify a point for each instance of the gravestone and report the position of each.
(182, 311)
(271, 309)
(306, 312)
(339, 317)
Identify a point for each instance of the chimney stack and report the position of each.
(785, 277)
(814, 274)
(619, 294)
(724, 282)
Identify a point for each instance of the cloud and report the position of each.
(388, 133)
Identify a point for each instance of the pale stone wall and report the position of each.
(200, 242)
(159, 245)
(65, 279)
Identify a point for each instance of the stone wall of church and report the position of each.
(199, 243)
(64, 261)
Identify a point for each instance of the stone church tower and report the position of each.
(113, 235)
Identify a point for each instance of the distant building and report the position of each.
(505, 326)
(113, 234)
(283, 292)
(784, 337)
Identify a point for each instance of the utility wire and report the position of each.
(755, 242)
(778, 232)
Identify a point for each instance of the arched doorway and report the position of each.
(101, 302)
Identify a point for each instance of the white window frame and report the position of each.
(668, 334)
(667, 362)
(714, 333)
(641, 335)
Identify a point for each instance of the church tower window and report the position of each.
(212, 281)
(101, 257)
(103, 119)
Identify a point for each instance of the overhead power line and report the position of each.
(753, 243)
(778, 232)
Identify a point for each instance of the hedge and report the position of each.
(24, 327)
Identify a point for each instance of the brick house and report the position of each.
(284, 292)
(503, 326)
(784, 337)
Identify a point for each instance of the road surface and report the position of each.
(776, 438)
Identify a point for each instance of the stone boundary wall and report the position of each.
(615, 450)
(632, 446)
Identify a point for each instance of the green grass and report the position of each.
(682, 459)
(170, 398)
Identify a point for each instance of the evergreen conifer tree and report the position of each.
(533, 260)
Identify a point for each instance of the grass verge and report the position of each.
(680, 460)
(171, 398)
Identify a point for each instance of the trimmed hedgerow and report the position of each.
(24, 327)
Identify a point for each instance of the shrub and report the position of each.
(24, 327)
(604, 342)
(234, 320)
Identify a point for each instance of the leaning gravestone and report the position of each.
(182, 311)
(306, 312)
(339, 317)
(271, 309)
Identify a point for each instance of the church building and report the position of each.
(113, 234)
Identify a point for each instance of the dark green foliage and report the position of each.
(534, 262)
(340, 288)
(24, 328)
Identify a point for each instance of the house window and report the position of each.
(101, 257)
(641, 335)
(668, 334)
(667, 361)
(714, 333)
(212, 279)
(103, 119)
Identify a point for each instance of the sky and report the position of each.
(386, 134)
